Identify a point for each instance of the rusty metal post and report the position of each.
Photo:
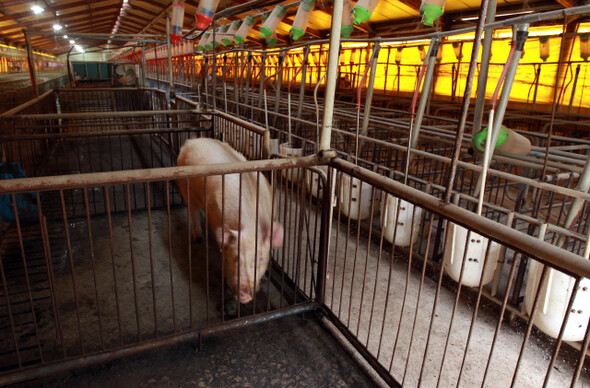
(31, 61)
(169, 46)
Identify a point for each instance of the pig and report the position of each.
(255, 233)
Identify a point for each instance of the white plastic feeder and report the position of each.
(553, 302)
(352, 204)
(313, 186)
(389, 218)
(476, 254)
(294, 174)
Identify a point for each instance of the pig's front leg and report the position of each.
(197, 226)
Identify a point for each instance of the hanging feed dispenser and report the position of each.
(209, 45)
(272, 22)
(301, 19)
(431, 10)
(347, 27)
(544, 48)
(439, 54)
(228, 39)
(220, 34)
(553, 302)
(458, 48)
(508, 142)
(362, 10)
(422, 52)
(203, 41)
(390, 218)
(177, 21)
(585, 46)
(477, 247)
(244, 30)
(272, 40)
(355, 198)
(205, 12)
(398, 55)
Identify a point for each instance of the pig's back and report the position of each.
(207, 151)
(210, 151)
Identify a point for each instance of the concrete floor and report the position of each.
(288, 352)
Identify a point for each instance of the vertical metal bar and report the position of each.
(150, 247)
(169, 50)
(371, 214)
(10, 315)
(408, 278)
(170, 254)
(422, 276)
(562, 331)
(26, 272)
(189, 207)
(73, 272)
(542, 229)
(583, 352)
(112, 247)
(132, 252)
(93, 262)
(207, 258)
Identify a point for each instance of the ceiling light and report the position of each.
(72, 41)
(65, 37)
(37, 10)
(57, 27)
(79, 48)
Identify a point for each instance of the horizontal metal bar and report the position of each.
(100, 115)
(260, 317)
(26, 185)
(243, 123)
(60, 136)
(561, 259)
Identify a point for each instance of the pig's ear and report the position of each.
(277, 235)
(225, 235)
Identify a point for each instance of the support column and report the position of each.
(331, 75)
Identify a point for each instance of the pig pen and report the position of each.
(122, 281)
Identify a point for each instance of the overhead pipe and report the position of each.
(569, 108)
(370, 89)
(331, 76)
(303, 69)
(435, 43)
(486, 51)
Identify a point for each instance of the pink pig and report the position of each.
(253, 255)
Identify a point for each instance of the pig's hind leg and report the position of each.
(197, 226)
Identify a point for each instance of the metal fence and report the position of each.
(105, 266)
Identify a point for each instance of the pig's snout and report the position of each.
(245, 297)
